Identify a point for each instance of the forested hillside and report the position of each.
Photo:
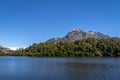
(79, 48)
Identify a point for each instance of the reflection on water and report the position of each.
(33, 68)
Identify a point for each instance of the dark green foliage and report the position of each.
(79, 48)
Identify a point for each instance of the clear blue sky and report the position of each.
(23, 22)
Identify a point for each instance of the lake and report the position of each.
(37, 68)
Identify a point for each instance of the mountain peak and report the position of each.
(76, 30)
(77, 34)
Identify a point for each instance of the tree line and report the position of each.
(79, 48)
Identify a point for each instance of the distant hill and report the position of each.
(5, 50)
(77, 34)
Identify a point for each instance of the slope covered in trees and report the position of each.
(79, 48)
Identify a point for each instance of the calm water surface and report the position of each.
(34, 68)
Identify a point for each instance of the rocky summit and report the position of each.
(77, 34)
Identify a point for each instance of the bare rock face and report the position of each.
(77, 34)
(100, 35)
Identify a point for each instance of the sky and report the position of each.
(24, 22)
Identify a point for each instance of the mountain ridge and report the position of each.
(77, 34)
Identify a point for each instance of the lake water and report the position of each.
(35, 68)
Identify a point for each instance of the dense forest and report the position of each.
(79, 48)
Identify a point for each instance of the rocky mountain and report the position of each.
(77, 34)
(5, 50)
